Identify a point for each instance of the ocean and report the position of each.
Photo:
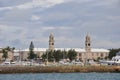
(61, 76)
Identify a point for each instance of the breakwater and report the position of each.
(57, 69)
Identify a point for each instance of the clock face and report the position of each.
(52, 43)
(89, 44)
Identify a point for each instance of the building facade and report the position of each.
(84, 54)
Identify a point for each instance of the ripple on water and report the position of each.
(61, 76)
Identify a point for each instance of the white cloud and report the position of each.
(48, 28)
(57, 28)
(35, 4)
(40, 3)
(34, 17)
(6, 8)
(81, 1)
(65, 28)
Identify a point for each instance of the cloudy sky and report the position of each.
(23, 21)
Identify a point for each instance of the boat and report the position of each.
(115, 60)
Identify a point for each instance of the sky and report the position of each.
(23, 21)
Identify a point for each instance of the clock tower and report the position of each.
(88, 44)
(51, 42)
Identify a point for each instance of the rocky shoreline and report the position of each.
(57, 69)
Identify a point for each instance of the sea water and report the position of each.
(61, 76)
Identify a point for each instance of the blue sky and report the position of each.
(23, 21)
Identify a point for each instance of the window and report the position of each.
(52, 43)
(89, 44)
(101, 54)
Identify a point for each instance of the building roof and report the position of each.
(100, 50)
(67, 49)
(36, 49)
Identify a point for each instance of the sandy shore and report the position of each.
(57, 69)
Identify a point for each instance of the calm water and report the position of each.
(61, 76)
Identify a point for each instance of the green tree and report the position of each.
(8, 48)
(72, 54)
(53, 55)
(64, 54)
(32, 55)
(58, 55)
(5, 54)
(44, 56)
(50, 56)
(113, 52)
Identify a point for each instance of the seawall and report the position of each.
(57, 69)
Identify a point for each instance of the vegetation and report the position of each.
(44, 56)
(49, 55)
(72, 54)
(113, 52)
(57, 55)
(5, 51)
(5, 54)
(32, 55)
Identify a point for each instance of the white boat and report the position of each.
(6, 62)
(115, 60)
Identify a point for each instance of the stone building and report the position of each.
(90, 53)
(84, 54)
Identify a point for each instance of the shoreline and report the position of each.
(58, 69)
